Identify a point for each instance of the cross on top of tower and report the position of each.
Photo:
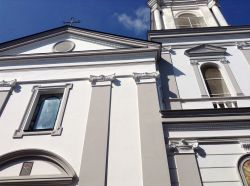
(71, 21)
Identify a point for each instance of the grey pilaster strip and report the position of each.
(169, 84)
(187, 170)
(186, 162)
(199, 79)
(154, 160)
(231, 77)
(94, 156)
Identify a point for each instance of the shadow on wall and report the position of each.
(168, 73)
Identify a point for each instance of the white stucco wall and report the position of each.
(124, 162)
(187, 83)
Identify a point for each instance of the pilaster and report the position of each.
(94, 157)
(154, 160)
(186, 162)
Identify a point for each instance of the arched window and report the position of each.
(215, 83)
(244, 168)
(188, 20)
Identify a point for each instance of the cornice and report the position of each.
(117, 40)
(78, 54)
(205, 31)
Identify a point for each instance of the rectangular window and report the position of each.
(45, 111)
(44, 117)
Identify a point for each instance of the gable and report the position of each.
(69, 39)
(48, 45)
(205, 50)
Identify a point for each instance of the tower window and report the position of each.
(188, 20)
(214, 81)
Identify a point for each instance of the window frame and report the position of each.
(37, 91)
(241, 162)
(206, 84)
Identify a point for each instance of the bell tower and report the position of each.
(177, 14)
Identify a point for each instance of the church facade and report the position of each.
(85, 108)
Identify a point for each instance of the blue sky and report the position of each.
(20, 18)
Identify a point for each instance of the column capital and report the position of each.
(212, 3)
(183, 146)
(194, 62)
(243, 45)
(224, 61)
(8, 85)
(245, 144)
(101, 79)
(145, 77)
(153, 3)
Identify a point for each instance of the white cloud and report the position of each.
(139, 22)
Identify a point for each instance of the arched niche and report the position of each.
(35, 167)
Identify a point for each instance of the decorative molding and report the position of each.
(205, 50)
(102, 79)
(167, 49)
(243, 45)
(153, 3)
(183, 146)
(194, 62)
(224, 61)
(139, 77)
(10, 84)
(245, 144)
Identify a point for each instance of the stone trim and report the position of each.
(67, 177)
(37, 91)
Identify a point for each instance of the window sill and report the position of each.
(20, 134)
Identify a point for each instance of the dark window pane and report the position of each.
(217, 86)
(212, 72)
(46, 111)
